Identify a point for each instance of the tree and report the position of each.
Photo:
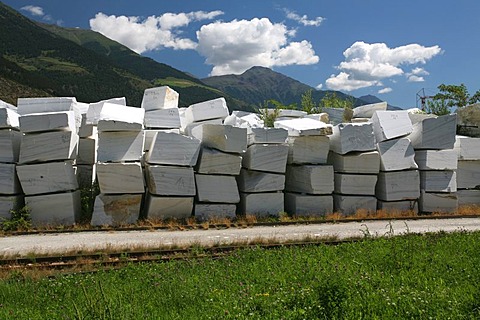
(452, 96)
(308, 105)
(270, 110)
(331, 100)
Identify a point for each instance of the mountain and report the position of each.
(373, 99)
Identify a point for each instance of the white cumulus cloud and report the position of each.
(235, 46)
(33, 10)
(416, 75)
(367, 64)
(292, 15)
(151, 33)
(319, 86)
(385, 90)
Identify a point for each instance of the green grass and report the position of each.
(436, 276)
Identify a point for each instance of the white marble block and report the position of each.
(54, 209)
(205, 211)
(435, 133)
(308, 205)
(211, 109)
(391, 124)
(396, 154)
(323, 117)
(222, 137)
(87, 130)
(48, 146)
(116, 146)
(336, 115)
(469, 120)
(304, 127)
(173, 149)
(396, 206)
(438, 202)
(436, 159)
(188, 128)
(86, 175)
(10, 141)
(266, 157)
(9, 118)
(117, 178)
(8, 203)
(368, 110)
(47, 177)
(170, 180)
(150, 135)
(48, 121)
(257, 181)
(95, 109)
(116, 209)
(308, 150)
(162, 119)
(468, 197)
(214, 188)
(266, 135)
(261, 204)
(348, 137)
(438, 181)
(468, 174)
(311, 179)
(41, 105)
(87, 151)
(212, 161)
(398, 185)
(355, 184)
(467, 148)
(163, 208)
(348, 205)
(160, 98)
(355, 162)
(114, 117)
(9, 184)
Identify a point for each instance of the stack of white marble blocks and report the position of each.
(217, 189)
(309, 180)
(119, 169)
(11, 197)
(352, 155)
(467, 150)
(365, 113)
(262, 179)
(433, 140)
(46, 162)
(87, 150)
(206, 112)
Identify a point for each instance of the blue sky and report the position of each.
(391, 49)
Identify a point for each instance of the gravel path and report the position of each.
(55, 244)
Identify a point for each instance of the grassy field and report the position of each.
(436, 276)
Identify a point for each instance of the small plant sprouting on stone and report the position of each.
(20, 220)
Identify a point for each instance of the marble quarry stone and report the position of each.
(391, 124)
(323, 117)
(87, 150)
(222, 137)
(261, 204)
(86, 175)
(48, 146)
(212, 161)
(160, 98)
(205, 211)
(170, 180)
(435, 133)
(7, 203)
(114, 117)
(368, 110)
(117, 146)
(188, 129)
(308, 150)
(438, 181)
(48, 121)
(445, 159)
(355, 184)
(47, 177)
(257, 181)
(398, 185)
(173, 149)
(304, 127)
(396, 154)
(468, 174)
(119, 178)
(349, 204)
(95, 109)
(266, 135)
(311, 179)
(469, 120)
(10, 141)
(355, 162)
(9, 118)
(9, 184)
(163, 119)
(211, 109)
(336, 115)
(216, 188)
(468, 197)
(392, 206)
(116, 209)
(438, 202)
(67, 208)
(350, 137)
(150, 135)
(266, 157)
(467, 148)
(163, 208)
(308, 205)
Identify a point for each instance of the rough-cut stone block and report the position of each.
(116, 146)
(115, 178)
(48, 146)
(398, 185)
(469, 120)
(54, 209)
(10, 145)
(160, 98)
(336, 115)
(87, 151)
(396, 154)
(304, 127)
(8, 203)
(170, 180)
(86, 175)
(348, 205)
(348, 137)
(419, 117)
(292, 113)
(40, 105)
(222, 137)
(116, 209)
(468, 197)
(205, 212)
(435, 133)
(219, 189)
(49, 121)
(468, 174)
(355, 162)
(257, 181)
(393, 207)
(212, 161)
(266, 135)
(360, 120)
(323, 117)
(467, 148)
(308, 205)
(312, 179)
(87, 130)
(438, 181)
(47, 177)
(188, 129)
(391, 124)
(212, 109)
(355, 184)
(114, 117)
(162, 119)
(243, 119)
(436, 159)
(368, 110)
(95, 109)
(9, 183)
(266, 157)
(163, 208)
(308, 150)
(261, 204)
(173, 149)
(8, 118)
(438, 202)
(150, 135)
